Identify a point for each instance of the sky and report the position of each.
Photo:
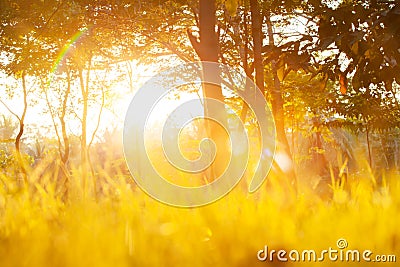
(38, 121)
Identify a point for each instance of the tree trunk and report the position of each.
(245, 55)
(84, 156)
(208, 50)
(368, 144)
(20, 160)
(242, 42)
(65, 155)
(256, 28)
(278, 111)
(276, 94)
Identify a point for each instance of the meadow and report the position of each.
(55, 222)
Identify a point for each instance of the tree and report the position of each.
(21, 26)
(38, 40)
(365, 61)
(207, 48)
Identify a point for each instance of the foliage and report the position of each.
(363, 38)
(366, 33)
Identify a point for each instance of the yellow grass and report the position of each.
(125, 227)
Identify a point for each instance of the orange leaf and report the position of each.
(231, 6)
(343, 83)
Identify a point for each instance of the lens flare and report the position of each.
(148, 97)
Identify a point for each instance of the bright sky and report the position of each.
(38, 120)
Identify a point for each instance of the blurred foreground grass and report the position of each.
(124, 227)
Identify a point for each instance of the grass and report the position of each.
(124, 227)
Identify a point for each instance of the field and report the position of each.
(123, 226)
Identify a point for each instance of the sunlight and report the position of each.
(199, 133)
